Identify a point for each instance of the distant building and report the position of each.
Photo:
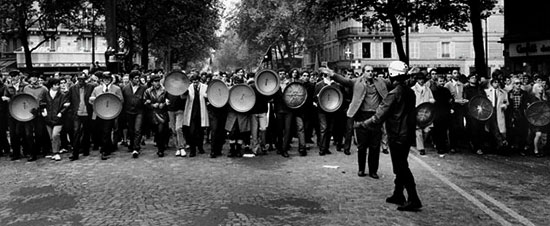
(527, 37)
(350, 45)
(71, 51)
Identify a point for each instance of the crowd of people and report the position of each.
(66, 122)
(507, 131)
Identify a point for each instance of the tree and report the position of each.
(19, 17)
(167, 25)
(447, 14)
(279, 24)
(235, 53)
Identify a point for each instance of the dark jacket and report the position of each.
(74, 98)
(443, 103)
(55, 106)
(159, 115)
(397, 110)
(260, 106)
(133, 102)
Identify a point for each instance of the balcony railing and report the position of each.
(364, 32)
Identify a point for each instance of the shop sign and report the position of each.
(536, 48)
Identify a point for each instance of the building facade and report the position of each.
(350, 45)
(69, 51)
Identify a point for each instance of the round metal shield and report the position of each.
(217, 93)
(295, 95)
(480, 108)
(424, 114)
(242, 98)
(267, 82)
(107, 106)
(538, 113)
(21, 106)
(176, 83)
(330, 98)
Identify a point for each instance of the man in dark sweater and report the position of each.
(34, 128)
(133, 108)
(79, 96)
(443, 103)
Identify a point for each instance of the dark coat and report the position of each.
(133, 102)
(74, 98)
(397, 111)
(55, 106)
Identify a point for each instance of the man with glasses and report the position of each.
(517, 123)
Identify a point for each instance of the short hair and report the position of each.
(134, 73)
(54, 81)
(365, 66)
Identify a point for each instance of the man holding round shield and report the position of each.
(106, 125)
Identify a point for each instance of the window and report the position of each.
(387, 49)
(53, 44)
(415, 50)
(366, 49)
(445, 49)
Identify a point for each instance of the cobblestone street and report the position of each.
(460, 189)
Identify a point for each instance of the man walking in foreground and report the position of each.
(397, 111)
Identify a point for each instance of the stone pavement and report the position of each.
(265, 190)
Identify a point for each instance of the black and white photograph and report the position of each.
(274, 112)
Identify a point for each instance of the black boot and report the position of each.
(231, 151)
(397, 198)
(413, 203)
(238, 152)
(302, 151)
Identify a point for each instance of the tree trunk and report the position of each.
(129, 59)
(396, 30)
(23, 36)
(25, 42)
(282, 54)
(144, 44)
(477, 31)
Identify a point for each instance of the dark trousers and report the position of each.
(326, 124)
(82, 128)
(456, 129)
(284, 123)
(348, 134)
(368, 138)
(107, 126)
(34, 133)
(134, 122)
(399, 152)
(441, 129)
(17, 135)
(311, 125)
(518, 131)
(475, 130)
(96, 132)
(67, 131)
(497, 138)
(161, 135)
(4, 144)
(194, 134)
(217, 123)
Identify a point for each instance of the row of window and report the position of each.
(387, 50)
